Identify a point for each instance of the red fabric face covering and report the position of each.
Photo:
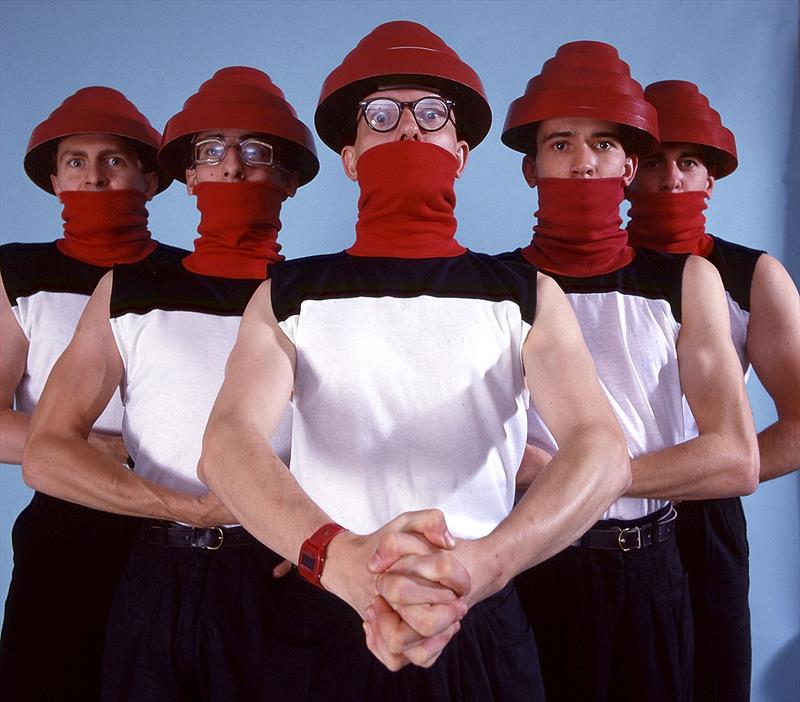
(578, 227)
(671, 222)
(239, 225)
(105, 227)
(407, 202)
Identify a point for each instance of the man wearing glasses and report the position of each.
(404, 359)
(194, 607)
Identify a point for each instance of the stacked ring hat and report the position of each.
(400, 54)
(239, 97)
(686, 117)
(92, 110)
(583, 79)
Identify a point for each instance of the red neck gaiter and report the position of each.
(578, 227)
(407, 202)
(105, 227)
(239, 225)
(671, 222)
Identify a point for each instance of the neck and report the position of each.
(578, 229)
(105, 227)
(672, 222)
(239, 225)
(407, 203)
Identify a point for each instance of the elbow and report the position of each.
(34, 464)
(622, 470)
(745, 467)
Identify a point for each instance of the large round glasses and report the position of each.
(212, 151)
(383, 114)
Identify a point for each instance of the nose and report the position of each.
(232, 165)
(96, 175)
(672, 178)
(583, 164)
(407, 127)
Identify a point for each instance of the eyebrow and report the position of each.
(571, 133)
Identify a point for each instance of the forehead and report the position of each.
(404, 94)
(579, 126)
(228, 134)
(86, 143)
(673, 150)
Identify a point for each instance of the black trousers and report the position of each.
(612, 626)
(712, 538)
(190, 624)
(67, 563)
(321, 655)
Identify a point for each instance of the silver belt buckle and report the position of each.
(622, 538)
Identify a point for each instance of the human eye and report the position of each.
(210, 150)
(256, 152)
(651, 163)
(116, 161)
(74, 162)
(559, 145)
(605, 145)
(687, 164)
(431, 113)
(381, 114)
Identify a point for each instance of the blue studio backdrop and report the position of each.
(743, 55)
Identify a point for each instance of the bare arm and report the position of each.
(589, 472)
(722, 461)
(60, 458)
(13, 358)
(773, 346)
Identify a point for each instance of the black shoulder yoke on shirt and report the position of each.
(736, 265)
(41, 267)
(651, 274)
(470, 276)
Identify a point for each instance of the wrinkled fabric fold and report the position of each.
(671, 222)
(239, 225)
(407, 202)
(578, 230)
(105, 227)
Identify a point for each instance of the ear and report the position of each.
(150, 184)
(292, 183)
(191, 180)
(349, 159)
(709, 185)
(629, 172)
(529, 170)
(462, 156)
(54, 183)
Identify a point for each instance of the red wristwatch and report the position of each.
(313, 553)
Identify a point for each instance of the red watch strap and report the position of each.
(314, 551)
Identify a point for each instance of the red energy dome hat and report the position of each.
(239, 97)
(583, 79)
(92, 110)
(400, 53)
(685, 116)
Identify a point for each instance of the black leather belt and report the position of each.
(631, 538)
(182, 536)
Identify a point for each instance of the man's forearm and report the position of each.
(72, 469)
(779, 447)
(567, 497)
(241, 468)
(709, 466)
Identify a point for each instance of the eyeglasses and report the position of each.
(254, 152)
(383, 114)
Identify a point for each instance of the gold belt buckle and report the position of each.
(221, 539)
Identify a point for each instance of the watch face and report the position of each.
(307, 560)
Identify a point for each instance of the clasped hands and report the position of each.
(407, 583)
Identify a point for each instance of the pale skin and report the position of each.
(61, 461)
(409, 581)
(723, 459)
(773, 332)
(85, 163)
